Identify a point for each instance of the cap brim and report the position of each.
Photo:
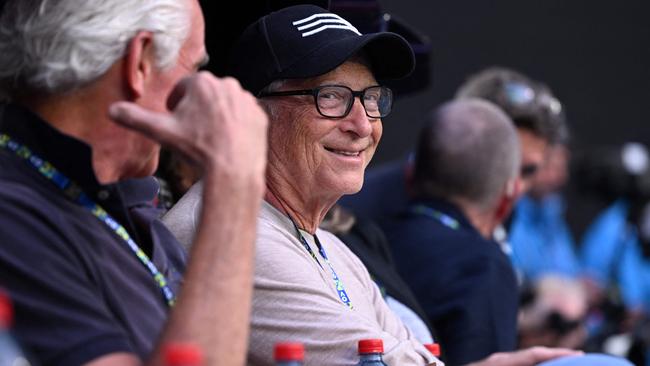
(389, 54)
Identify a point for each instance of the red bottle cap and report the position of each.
(185, 354)
(6, 310)
(289, 351)
(434, 348)
(371, 346)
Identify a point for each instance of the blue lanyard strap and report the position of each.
(429, 212)
(73, 191)
(340, 289)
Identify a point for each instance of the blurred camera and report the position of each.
(619, 172)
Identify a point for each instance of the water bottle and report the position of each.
(434, 348)
(370, 352)
(289, 354)
(10, 352)
(182, 354)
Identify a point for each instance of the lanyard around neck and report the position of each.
(340, 289)
(431, 213)
(73, 192)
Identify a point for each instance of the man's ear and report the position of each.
(139, 63)
(513, 188)
(511, 193)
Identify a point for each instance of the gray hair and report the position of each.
(530, 104)
(52, 46)
(468, 149)
(271, 108)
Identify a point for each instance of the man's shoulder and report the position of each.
(418, 229)
(21, 189)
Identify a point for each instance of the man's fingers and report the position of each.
(541, 354)
(154, 125)
(526, 357)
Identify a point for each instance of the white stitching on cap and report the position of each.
(339, 23)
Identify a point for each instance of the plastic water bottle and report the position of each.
(183, 354)
(370, 352)
(289, 354)
(434, 348)
(10, 353)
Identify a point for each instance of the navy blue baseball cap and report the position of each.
(304, 41)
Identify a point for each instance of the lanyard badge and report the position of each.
(73, 192)
(340, 289)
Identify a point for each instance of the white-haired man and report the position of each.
(91, 271)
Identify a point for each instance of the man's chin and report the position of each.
(353, 189)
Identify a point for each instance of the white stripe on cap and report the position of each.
(336, 22)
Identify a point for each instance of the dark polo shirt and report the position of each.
(78, 291)
(464, 282)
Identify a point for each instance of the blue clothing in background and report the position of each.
(463, 281)
(541, 241)
(611, 256)
(594, 359)
(384, 192)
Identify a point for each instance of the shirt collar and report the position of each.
(69, 155)
(448, 209)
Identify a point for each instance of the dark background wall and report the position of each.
(595, 56)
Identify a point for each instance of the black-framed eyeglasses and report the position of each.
(335, 101)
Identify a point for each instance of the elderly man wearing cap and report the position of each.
(317, 77)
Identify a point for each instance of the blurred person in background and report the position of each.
(554, 302)
(542, 242)
(465, 183)
(615, 247)
(536, 113)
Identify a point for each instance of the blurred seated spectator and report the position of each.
(613, 259)
(465, 179)
(542, 243)
(615, 247)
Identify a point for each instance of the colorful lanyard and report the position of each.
(343, 295)
(74, 192)
(446, 220)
